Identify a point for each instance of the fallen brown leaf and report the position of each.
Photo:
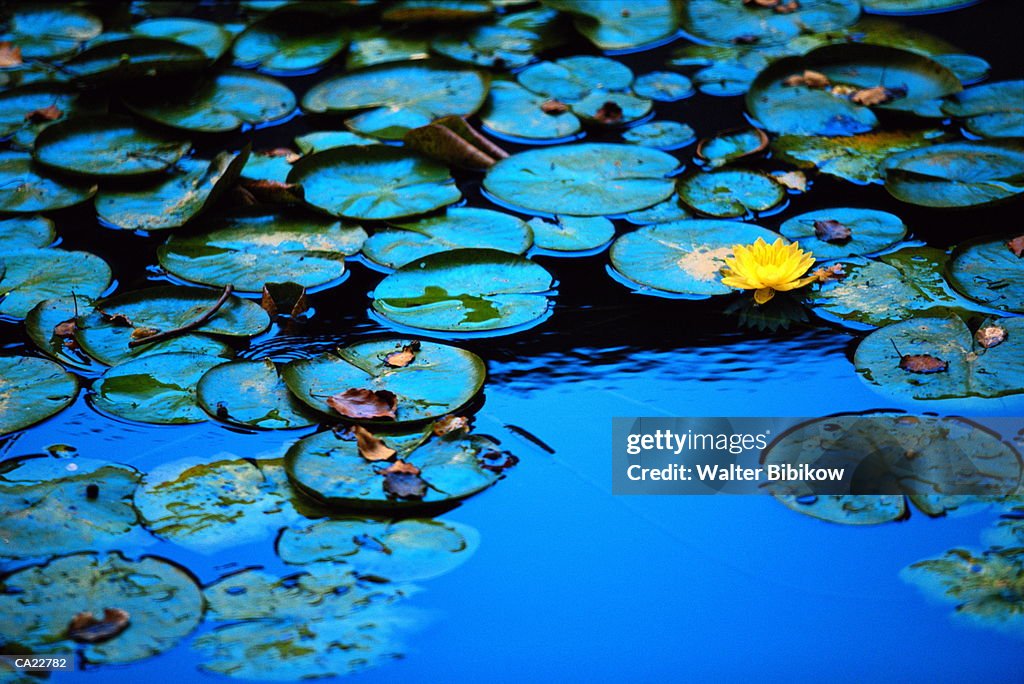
(287, 299)
(290, 156)
(989, 336)
(832, 231)
(272, 192)
(794, 180)
(116, 318)
(371, 447)
(609, 113)
(870, 97)
(143, 333)
(405, 485)
(811, 79)
(86, 628)
(554, 107)
(364, 404)
(44, 114)
(401, 466)
(401, 359)
(10, 54)
(449, 424)
(829, 274)
(1016, 245)
(924, 364)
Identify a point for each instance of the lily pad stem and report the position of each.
(191, 325)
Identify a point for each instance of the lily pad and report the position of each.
(330, 469)
(513, 111)
(106, 146)
(663, 86)
(726, 22)
(26, 232)
(187, 190)
(593, 179)
(855, 158)
(158, 388)
(728, 146)
(668, 211)
(572, 233)
(603, 108)
(663, 135)
(105, 330)
(511, 42)
(50, 325)
(249, 251)
(573, 78)
(290, 41)
(213, 39)
(989, 272)
(730, 193)
(621, 24)
(124, 61)
(369, 47)
(465, 290)
(32, 275)
(684, 257)
(402, 551)
(957, 174)
(394, 98)
(318, 141)
(27, 110)
(25, 188)
(871, 231)
(970, 370)
(992, 110)
(47, 510)
(32, 390)
(439, 380)
(374, 182)
(163, 601)
(905, 7)
(457, 228)
(47, 31)
(252, 393)
(228, 101)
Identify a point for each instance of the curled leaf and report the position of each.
(401, 359)
(809, 78)
(449, 424)
(989, 336)
(272, 192)
(554, 107)
(371, 447)
(1016, 245)
(44, 114)
(924, 364)
(794, 180)
(285, 299)
(869, 97)
(364, 404)
(829, 274)
(832, 231)
(86, 628)
(452, 140)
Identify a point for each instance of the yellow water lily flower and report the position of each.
(767, 269)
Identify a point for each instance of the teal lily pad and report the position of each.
(318, 141)
(871, 231)
(571, 79)
(683, 257)
(439, 380)
(594, 179)
(394, 98)
(372, 46)
(725, 22)
(663, 135)
(32, 275)
(726, 71)
(223, 103)
(989, 272)
(213, 39)
(730, 193)
(621, 24)
(728, 146)
(50, 326)
(992, 110)
(269, 165)
(970, 369)
(125, 61)
(24, 111)
(107, 146)
(957, 174)
(663, 86)
(465, 290)
(26, 232)
(457, 228)
(511, 42)
(570, 234)
(252, 393)
(249, 251)
(374, 182)
(513, 111)
(47, 511)
(668, 211)
(603, 108)
(48, 31)
(330, 469)
(159, 388)
(32, 390)
(290, 41)
(25, 188)
(104, 330)
(161, 598)
(905, 7)
(188, 189)
(403, 551)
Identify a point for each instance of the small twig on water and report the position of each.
(191, 325)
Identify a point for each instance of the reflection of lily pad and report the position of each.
(957, 174)
(163, 601)
(970, 370)
(32, 390)
(572, 233)
(730, 193)
(290, 41)
(855, 158)
(620, 24)
(990, 273)
(583, 180)
(251, 393)
(870, 231)
(26, 189)
(726, 22)
(46, 508)
(31, 275)
(465, 290)
(663, 135)
(374, 182)
(512, 110)
(249, 251)
(439, 380)
(571, 79)
(685, 257)
(992, 110)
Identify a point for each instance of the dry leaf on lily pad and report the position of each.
(86, 628)
(405, 485)
(989, 336)
(403, 357)
(923, 363)
(371, 447)
(1016, 245)
(400, 467)
(830, 274)
(832, 231)
(364, 404)
(44, 114)
(449, 424)
(453, 141)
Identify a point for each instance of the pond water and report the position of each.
(573, 583)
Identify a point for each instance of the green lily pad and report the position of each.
(162, 599)
(728, 146)
(730, 193)
(252, 393)
(663, 135)
(47, 511)
(992, 110)
(128, 60)
(106, 146)
(251, 250)
(605, 108)
(32, 390)
(855, 158)
(318, 141)
(620, 24)
(42, 325)
(905, 7)
(158, 388)
(104, 335)
(668, 211)
(213, 39)
(394, 98)
(465, 290)
(226, 102)
(513, 111)
(289, 41)
(594, 179)
(726, 22)
(457, 228)
(187, 190)
(18, 105)
(572, 233)
(849, 509)
(47, 31)
(32, 275)
(439, 380)
(957, 174)
(511, 42)
(402, 551)
(989, 272)
(330, 469)
(372, 46)
(374, 182)
(25, 188)
(573, 78)
(871, 231)
(26, 232)
(663, 86)
(684, 257)
(971, 370)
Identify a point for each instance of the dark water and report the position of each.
(569, 581)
